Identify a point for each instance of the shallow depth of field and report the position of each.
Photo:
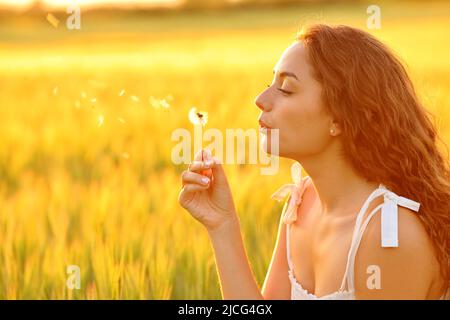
(86, 118)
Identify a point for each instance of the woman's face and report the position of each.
(293, 104)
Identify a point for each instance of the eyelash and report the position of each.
(281, 90)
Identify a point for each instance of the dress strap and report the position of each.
(288, 247)
(389, 226)
(295, 191)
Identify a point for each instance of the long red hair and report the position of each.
(389, 136)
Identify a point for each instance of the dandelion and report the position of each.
(122, 93)
(52, 20)
(100, 120)
(199, 119)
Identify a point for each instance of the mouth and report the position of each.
(263, 126)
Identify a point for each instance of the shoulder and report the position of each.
(406, 271)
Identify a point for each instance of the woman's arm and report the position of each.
(212, 204)
(405, 272)
(236, 278)
(277, 285)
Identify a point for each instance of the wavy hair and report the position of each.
(389, 136)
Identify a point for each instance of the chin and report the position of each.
(266, 146)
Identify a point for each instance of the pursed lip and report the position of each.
(262, 124)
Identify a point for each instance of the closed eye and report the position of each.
(284, 91)
(281, 90)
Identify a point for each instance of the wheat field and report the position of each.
(86, 117)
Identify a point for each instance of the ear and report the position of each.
(335, 129)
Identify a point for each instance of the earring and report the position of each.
(332, 131)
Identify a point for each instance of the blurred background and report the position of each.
(86, 117)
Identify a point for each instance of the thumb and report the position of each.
(220, 177)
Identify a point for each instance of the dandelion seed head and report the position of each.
(198, 117)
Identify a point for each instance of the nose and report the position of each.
(262, 101)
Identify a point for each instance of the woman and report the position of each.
(371, 220)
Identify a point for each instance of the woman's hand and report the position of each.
(209, 201)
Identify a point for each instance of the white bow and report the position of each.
(295, 190)
(389, 216)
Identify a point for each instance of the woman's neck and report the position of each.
(335, 181)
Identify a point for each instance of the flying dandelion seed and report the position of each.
(77, 104)
(83, 95)
(121, 120)
(100, 120)
(135, 98)
(122, 93)
(169, 97)
(52, 20)
(55, 90)
(164, 104)
(156, 103)
(94, 100)
(125, 155)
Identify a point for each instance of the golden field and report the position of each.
(86, 118)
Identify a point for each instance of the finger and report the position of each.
(218, 172)
(193, 177)
(207, 155)
(209, 163)
(197, 166)
(188, 188)
(198, 155)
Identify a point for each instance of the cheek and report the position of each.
(304, 128)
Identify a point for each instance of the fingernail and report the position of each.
(205, 180)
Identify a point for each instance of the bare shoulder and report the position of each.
(406, 271)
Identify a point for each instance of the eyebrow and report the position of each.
(287, 74)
